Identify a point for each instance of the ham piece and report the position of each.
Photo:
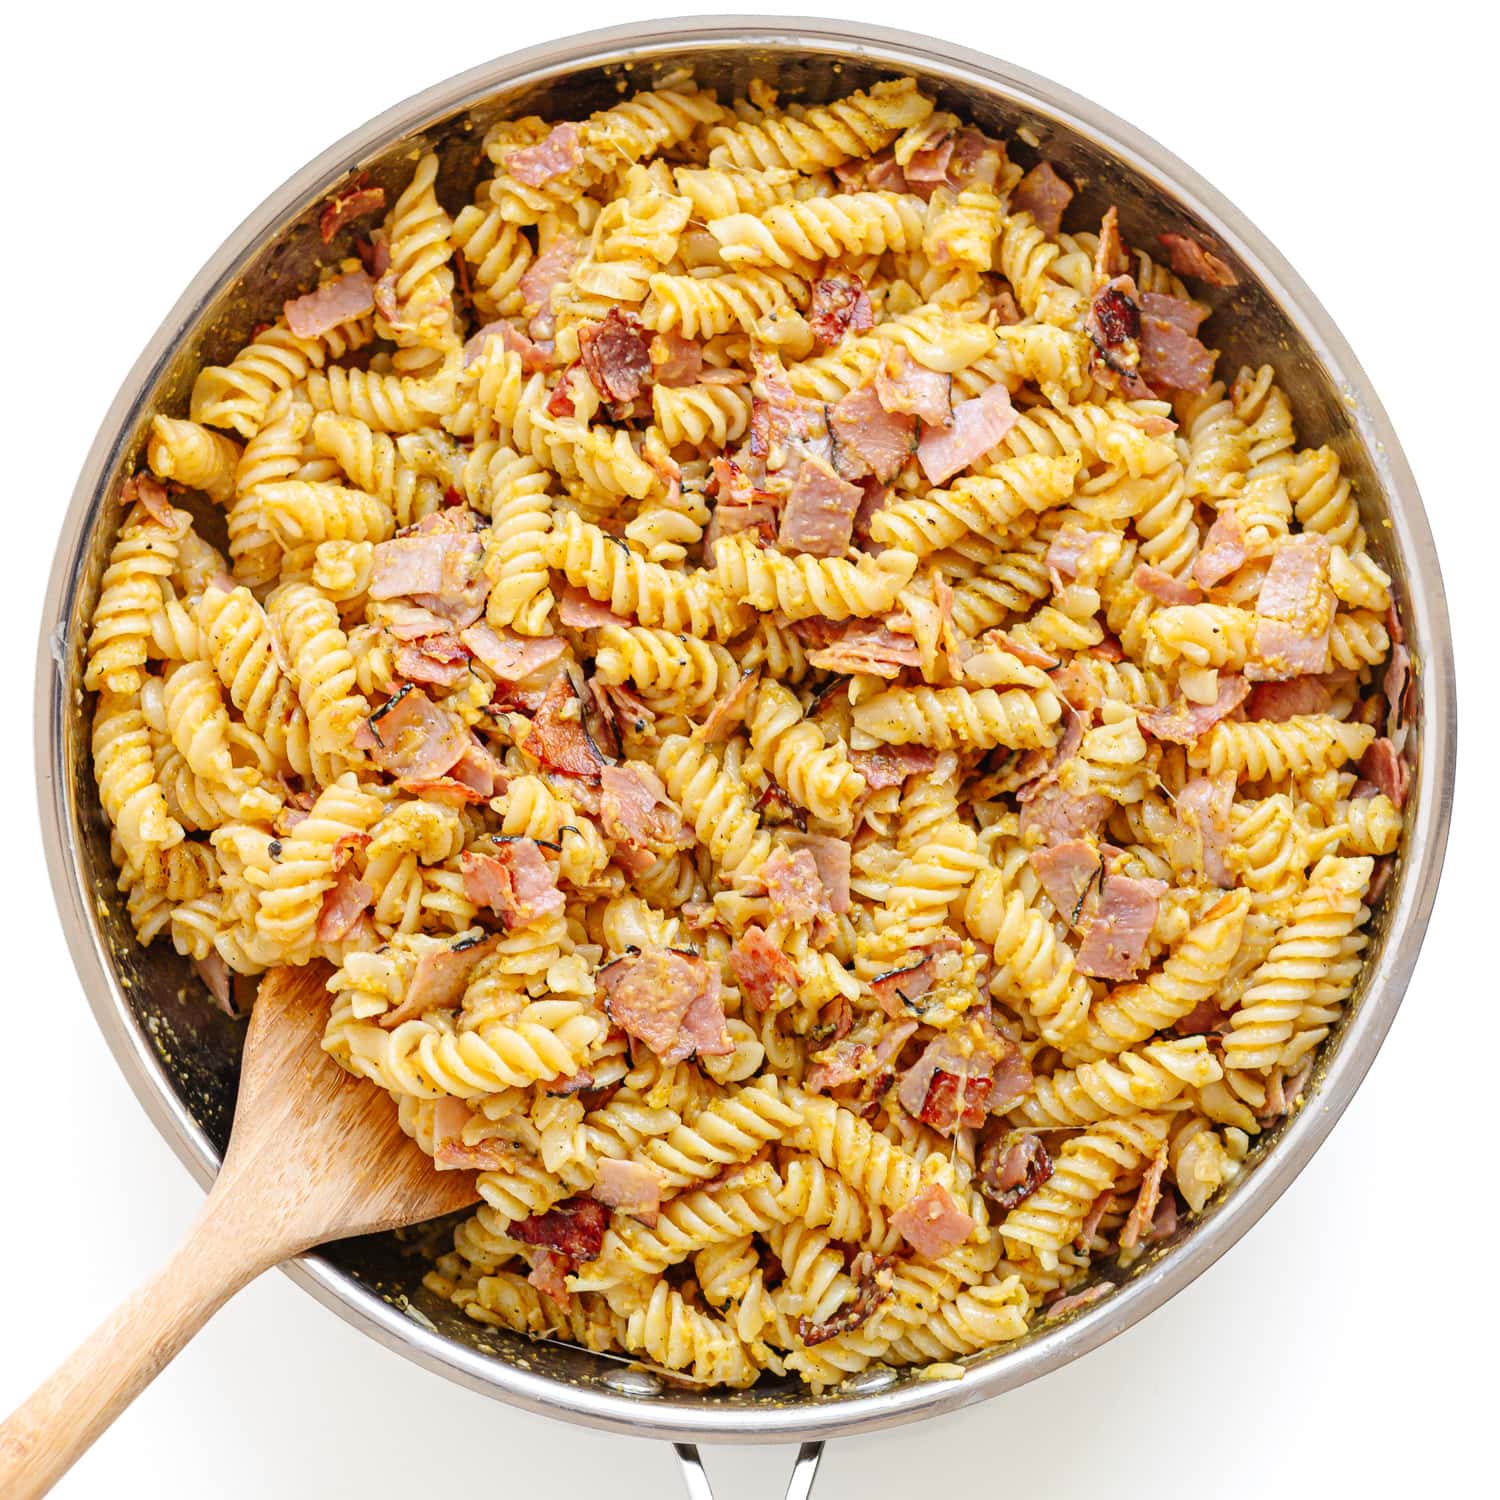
(1116, 926)
(515, 882)
(439, 564)
(1223, 552)
(890, 765)
(794, 885)
(534, 356)
(451, 1153)
(510, 657)
(152, 495)
(338, 300)
(439, 979)
(341, 209)
(760, 967)
(1189, 258)
(668, 1000)
(440, 659)
(411, 737)
(818, 517)
(1162, 586)
(1383, 765)
(840, 305)
(675, 360)
(977, 426)
(1113, 324)
(869, 440)
(903, 386)
(932, 1223)
(554, 156)
(549, 270)
(832, 857)
(1012, 1167)
(617, 357)
(720, 721)
(557, 738)
(1111, 259)
(962, 1077)
(1143, 1214)
(1294, 610)
(1203, 808)
(344, 902)
(866, 646)
(1067, 872)
(1059, 815)
(579, 610)
(631, 1187)
(1276, 702)
(636, 813)
(574, 1228)
(1044, 195)
(1172, 359)
(874, 1286)
(1186, 723)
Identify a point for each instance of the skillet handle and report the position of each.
(799, 1487)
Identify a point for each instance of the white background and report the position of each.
(1347, 1343)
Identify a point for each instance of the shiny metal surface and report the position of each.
(179, 1053)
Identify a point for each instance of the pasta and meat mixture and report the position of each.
(834, 759)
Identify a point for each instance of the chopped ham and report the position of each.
(152, 495)
(1113, 324)
(866, 646)
(439, 980)
(675, 360)
(1111, 259)
(550, 1277)
(549, 270)
(832, 857)
(1189, 258)
(899, 990)
(890, 765)
(668, 1000)
(1186, 723)
(338, 300)
(1143, 1215)
(344, 902)
(425, 563)
(632, 1187)
(617, 357)
(1203, 1018)
(1093, 1218)
(1396, 684)
(794, 885)
(579, 610)
(515, 882)
(451, 1153)
(1117, 923)
(1203, 808)
(932, 1223)
(1172, 359)
(635, 811)
(868, 440)
(557, 154)
(903, 386)
(730, 518)
(1075, 1300)
(1012, 1167)
(1067, 873)
(1044, 195)
(1058, 815)
(1223, 551)
(1039, 769)
(977, 426)
(1276, 702)
(881, 173)
(1160, 585)
(534, 356)
(411, 737)
(929, 162)
(1068, 550)
(840, 305)
(1181, 312)
(441, 660)
(720, 721)
(962, 1077)
(818, 517)
(340, 209)
(761, 968)
(557, 738)
(1383, 765)
(874, 1285)
(510, 657)
(1294, 610)
(842, 1063)
(214, 972)
(575, 1228)
(785, 428)
(478, 769)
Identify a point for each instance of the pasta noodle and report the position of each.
(848, 789)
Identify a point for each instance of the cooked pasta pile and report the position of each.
(832, 759)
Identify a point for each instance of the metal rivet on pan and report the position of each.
(867, 1382)
(633, 1383)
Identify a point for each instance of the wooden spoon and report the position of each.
(315, 1155)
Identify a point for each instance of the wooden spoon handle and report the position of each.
(44, 1436)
